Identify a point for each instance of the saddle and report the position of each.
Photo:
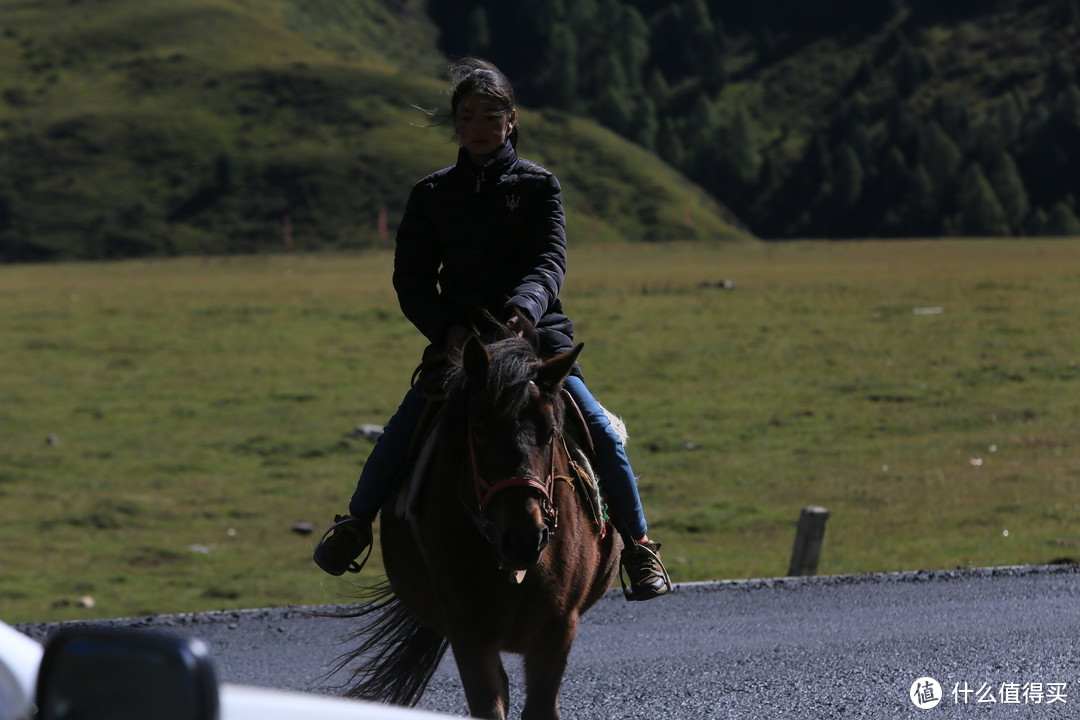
(580, 447)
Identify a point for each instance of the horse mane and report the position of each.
(514, 353)
(512, 367)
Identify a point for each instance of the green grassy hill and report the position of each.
(130, 128)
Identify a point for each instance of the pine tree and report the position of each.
(615, 110)
(703, 44)
(582, 14)
(1061, 221)
(1061, 72)
(921, 206)
(954, 119)
(848, 183)
(703, 139)
(632, 35)
(559, 80)
(1009, 187)
(939, 154)
(479, 37)
(613, 105)
(894, 174)
(912, 68)
(999, 129)
(646, 124)
(670, 145)
(1010, 111)
(893, 43)
(864, 73)
(741, 152)
(902, 125)
(1068, 107)
(817, 161)
(980, 211)
(1036, 223)
(658, 88)
(861, 141)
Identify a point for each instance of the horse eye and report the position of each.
(480, 432)
(545, 429)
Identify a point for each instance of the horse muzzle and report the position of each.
(521, 549)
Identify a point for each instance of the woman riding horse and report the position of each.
(488, 236)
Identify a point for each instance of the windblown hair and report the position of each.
(473, 75)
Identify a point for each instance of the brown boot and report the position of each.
(648, 576)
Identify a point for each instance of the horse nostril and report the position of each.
(545, 535)
(522, 551)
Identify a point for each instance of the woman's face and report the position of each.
(482, 126)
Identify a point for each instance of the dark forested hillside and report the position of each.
(825, 119)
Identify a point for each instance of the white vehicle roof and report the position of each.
(240, 702)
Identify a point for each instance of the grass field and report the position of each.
(164, 424)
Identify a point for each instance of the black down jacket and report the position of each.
(491, 238)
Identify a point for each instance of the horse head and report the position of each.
(514, 414)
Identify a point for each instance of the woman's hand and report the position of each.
(514, 325)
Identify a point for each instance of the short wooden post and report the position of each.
(808, 539)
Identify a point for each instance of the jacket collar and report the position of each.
(491, 170)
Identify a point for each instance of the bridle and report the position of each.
(484, 490)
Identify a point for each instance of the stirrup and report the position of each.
(628, 592)
(353, 566)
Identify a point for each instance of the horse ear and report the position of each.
(555, 370)
(475, 359)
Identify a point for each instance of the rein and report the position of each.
(485, 490)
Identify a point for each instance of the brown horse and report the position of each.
(490, 548)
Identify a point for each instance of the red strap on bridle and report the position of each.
(484, 490)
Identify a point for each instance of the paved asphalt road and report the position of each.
(1002, 643)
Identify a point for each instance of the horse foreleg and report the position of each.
(544, 667)
(487, 688)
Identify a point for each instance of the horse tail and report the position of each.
(397, 656)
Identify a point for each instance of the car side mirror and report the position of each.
(98, 673)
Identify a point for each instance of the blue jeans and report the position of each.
(613, 465)
(391, 453)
